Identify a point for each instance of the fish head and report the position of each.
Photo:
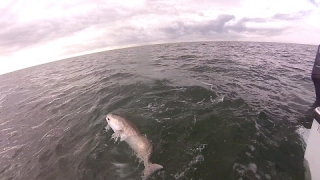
(115, 122)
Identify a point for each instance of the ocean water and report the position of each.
(212, 110)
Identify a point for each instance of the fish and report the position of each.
(128, 132)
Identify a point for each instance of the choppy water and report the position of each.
(213, 110)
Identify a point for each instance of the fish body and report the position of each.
(140, 144)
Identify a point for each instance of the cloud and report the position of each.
(131, 28)
(20, 35)
(223, 26)
(25, 25)
(117, 23)
(314, 2)
(213, 27)
(292, 16)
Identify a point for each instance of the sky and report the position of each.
(35, 32)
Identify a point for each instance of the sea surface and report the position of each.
(212, 110)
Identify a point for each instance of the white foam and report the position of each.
(207, 83)
(217, 99)
(249, 154)
(180, 175)
(304, 133)
(252, 167)
(122, 169)
(201, 147)
(267, 176)
(201, 102)
(196, 160)
(242, 169)
(252, 148)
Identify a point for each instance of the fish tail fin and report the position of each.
(150, 169)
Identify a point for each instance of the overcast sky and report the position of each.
(38, 31)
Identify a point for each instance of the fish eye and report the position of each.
(108, 119)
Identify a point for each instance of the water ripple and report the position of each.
(233, 106)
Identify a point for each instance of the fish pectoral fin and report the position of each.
(107, 128)
(122, 137)
(116, 135)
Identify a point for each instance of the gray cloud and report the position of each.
(15, 36)
(204, 28)
(224, 27)
(220, 27)
(241, 27)
(114, 21)
(314, 2)
(290, 17)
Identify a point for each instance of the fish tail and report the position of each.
(150, 169)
